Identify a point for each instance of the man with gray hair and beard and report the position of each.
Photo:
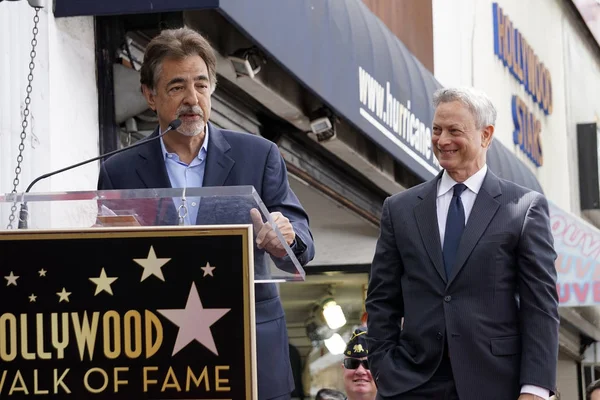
(178, 77)
(466, 261)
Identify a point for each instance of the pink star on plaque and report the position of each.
(208, 270)
(194, 322)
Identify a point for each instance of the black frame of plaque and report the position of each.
(128, 320)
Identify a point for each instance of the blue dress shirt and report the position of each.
(184, 175)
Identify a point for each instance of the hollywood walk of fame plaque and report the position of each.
(127, 313)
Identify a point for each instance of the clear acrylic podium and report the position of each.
(130, 294)
(203, 207)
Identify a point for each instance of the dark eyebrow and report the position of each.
(175, 80)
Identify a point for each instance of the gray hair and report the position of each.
(176, 44)
(478, 102)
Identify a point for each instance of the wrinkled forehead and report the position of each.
(453, 112)
(185, 68)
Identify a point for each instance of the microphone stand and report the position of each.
(24, 211)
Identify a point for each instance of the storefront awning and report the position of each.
(72, 8)
(338, 49)
(506, 165)
(346, 55)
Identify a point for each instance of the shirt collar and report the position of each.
(201, 154)
(474, 182)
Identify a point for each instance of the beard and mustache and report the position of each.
(191, 128)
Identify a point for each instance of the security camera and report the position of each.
(320, 125)
(247, 62)
(242, 67)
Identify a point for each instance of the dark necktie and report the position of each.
(455, 225)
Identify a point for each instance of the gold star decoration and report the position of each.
(63, 295)
(42, 272)
(103, 283)
(152, 265)
(12, 279)
(208, 270)
(32, 298)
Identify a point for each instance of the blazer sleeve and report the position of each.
(278, 196)
(384, 303)
(538, 298)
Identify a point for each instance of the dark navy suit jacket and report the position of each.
(496, 315)
(233, 159)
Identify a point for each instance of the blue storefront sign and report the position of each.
(519, 57)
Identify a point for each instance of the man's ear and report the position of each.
(487, 135)
(149, 95)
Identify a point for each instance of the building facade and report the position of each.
(344, 89)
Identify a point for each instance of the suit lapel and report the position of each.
(483, 212)
(427, 222)
(218, 163)
(218, 167)
(152, 172)
(151, 167)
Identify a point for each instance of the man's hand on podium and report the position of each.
(266, 238)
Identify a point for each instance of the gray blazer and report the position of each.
(498, 311)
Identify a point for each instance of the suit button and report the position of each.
(439, 336)
(447, 299)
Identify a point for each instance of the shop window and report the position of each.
(590, 367)
(589, 373)
(316, 337)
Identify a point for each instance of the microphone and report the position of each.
(23, 213)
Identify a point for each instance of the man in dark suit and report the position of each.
(178, 77)
(462, 299)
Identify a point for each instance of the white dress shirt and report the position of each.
(445, 191)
